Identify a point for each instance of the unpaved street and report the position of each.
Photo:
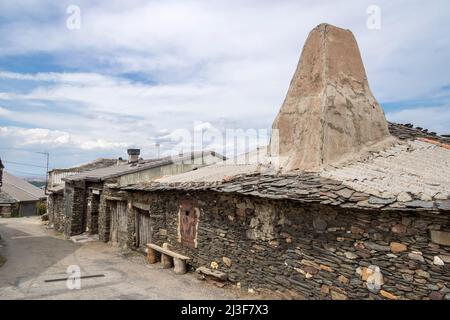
(35, 255)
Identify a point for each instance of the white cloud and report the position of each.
(226, 63)
(53, 139)
(432, 118)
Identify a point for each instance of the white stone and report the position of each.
(404, 197)
(438, 261)
(375, 280)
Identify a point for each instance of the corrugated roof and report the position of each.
(119, 170)
(19, 189)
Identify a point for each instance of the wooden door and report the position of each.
(113, 235)
(187, 224)
(144, 230)
(119, 221)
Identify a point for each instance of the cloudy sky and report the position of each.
(135, 71)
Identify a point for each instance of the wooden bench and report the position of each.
(168, 257)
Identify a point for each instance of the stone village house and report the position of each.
(342, 205)
(78, 204)
(18, 197)
(56, 185)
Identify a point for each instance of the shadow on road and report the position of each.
(29, 255)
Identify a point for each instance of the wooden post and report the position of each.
(151, 255)
(180, 266)
(167, 261)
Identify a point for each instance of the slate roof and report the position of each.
(15, 189)
(413, 175)
(120, 170)
(96, 164)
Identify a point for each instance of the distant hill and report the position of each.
(37, 183)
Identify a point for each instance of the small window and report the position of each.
(187, 212)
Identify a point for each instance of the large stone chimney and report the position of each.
(133, 155)
(329, 114)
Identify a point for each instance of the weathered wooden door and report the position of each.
(188, 224)
(119, 221)
(144, 230)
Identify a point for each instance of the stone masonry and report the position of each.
(323, 252)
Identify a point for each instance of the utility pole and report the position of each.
(157, 149)
(47, 154)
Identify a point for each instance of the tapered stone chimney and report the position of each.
(329, 113)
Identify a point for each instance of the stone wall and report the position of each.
(319, 251)
(55, 204)
(76, 194)
(107, 198)
(93, 203)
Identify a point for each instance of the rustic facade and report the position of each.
(356, 210)
(320, 251)
(83, 208)
(56, 185)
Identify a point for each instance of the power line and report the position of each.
(23, 164)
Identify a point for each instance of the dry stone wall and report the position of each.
(320, 251)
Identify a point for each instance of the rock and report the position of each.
(350, 255)
(406, 221)
(226, 261)
(399, 229)
(404, 197)
(440, 196)
(325, 268)
(426, 197)
(397, 247)
(212, 273)
(325, 289)
(356, 230)
(335, 295)
(443, 205)
(445, 258)
(376, 247)
(438, 261)
(440, 237)
(435, 296)
(345, 193)
(214, 265)
(373, 277)
(447, 296)
(359, 245)
(376, 200)
(343, 279)
(419, 204)
(416, 257)
(310, 270)
(319, 224)
(363, 272)
(422, 273)
(388, 295)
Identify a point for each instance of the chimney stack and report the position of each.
(329, 114)
(133, 155)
